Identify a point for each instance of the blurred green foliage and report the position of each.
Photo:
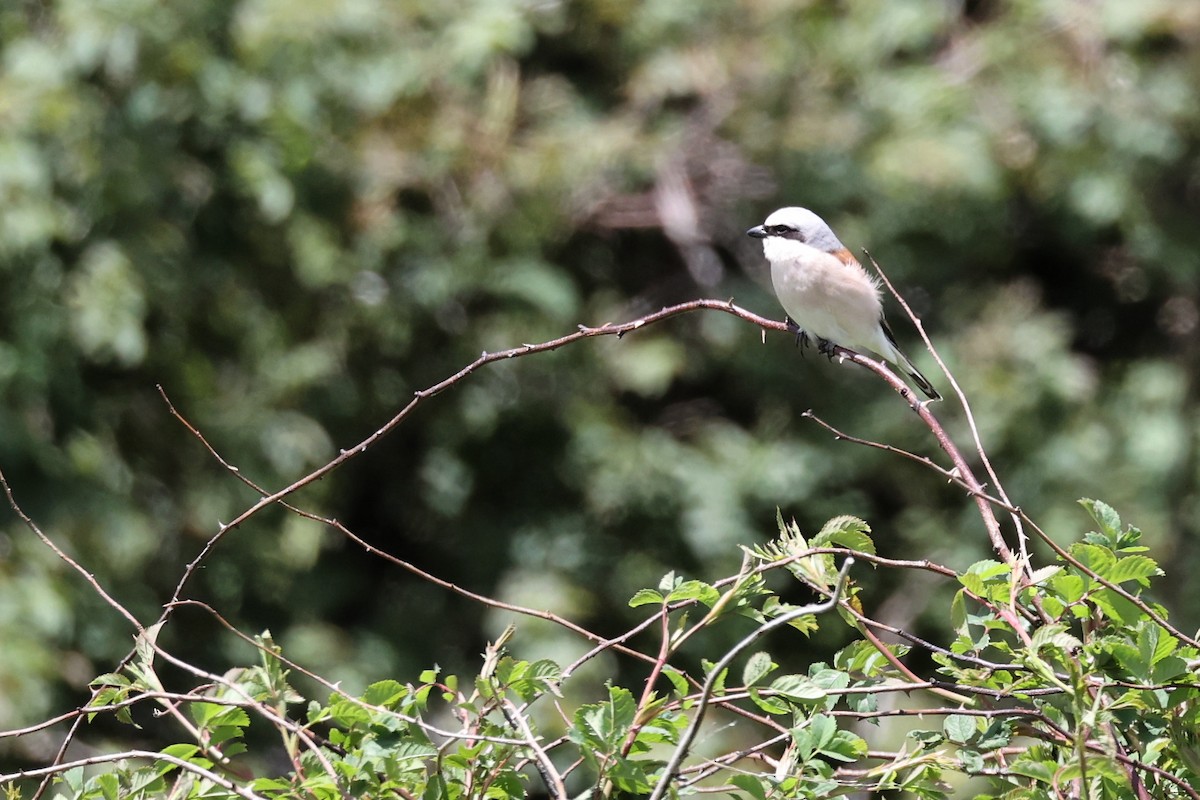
(293, 215)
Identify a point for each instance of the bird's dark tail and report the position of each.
(909, 368)
(923, 384)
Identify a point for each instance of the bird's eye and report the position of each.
(783, 230)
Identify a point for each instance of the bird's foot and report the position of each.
(802, 340)
(826, 348)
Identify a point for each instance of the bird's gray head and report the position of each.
(789, 231)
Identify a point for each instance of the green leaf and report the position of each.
(384, 693)
(643, 597)
(678, 682)
(182, 751)
(1094, 557)
(1116, 607)
(1056, 636)
(604, 725)
(960, 728)
(757, 667)
(769, 704)
(986, 579)
(1133, 568)
(110, 679)
(799, 688)
(1105, 517)
(846, 531)
(109, 784)
(751, 785)
(998, 734)
(203, 713)
(1069, 586)
(694, 590)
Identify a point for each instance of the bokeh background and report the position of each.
(292, 214)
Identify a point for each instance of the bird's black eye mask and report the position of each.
(784, 231)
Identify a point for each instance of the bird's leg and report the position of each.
(801, 335)
(826, 348)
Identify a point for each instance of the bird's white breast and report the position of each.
(828, 298)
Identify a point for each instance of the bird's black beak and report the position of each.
(757, 232)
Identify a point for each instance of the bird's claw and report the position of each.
(802, 340)
(826, 348)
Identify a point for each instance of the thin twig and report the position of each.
(685, 741)
(1022, 539)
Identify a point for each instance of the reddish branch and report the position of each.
(960, 472)
(619, 330)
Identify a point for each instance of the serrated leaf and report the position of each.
(973, 584)
(1116, 607)
(960, 728)
(109, 785)
(1094, 557)
(1057, 636)
(797, 687)
(821, 728)
(846, 531)
(694, 590)
(110, 679)
(998, 734)
(1169, 669)
(988, 569)
(958, 613)
(181, 751)
(384, 693)
(758, 666)
(645, 597)
(144, 648)
(1069, 586)
(830, 679)
(1053, 606)
(769, 704)
(1130, 659)
(1134, 568)
(1104, 516)
(604, 725)
(678, 682)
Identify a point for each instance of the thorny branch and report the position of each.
(959, 473)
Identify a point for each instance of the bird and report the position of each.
(826, 292)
